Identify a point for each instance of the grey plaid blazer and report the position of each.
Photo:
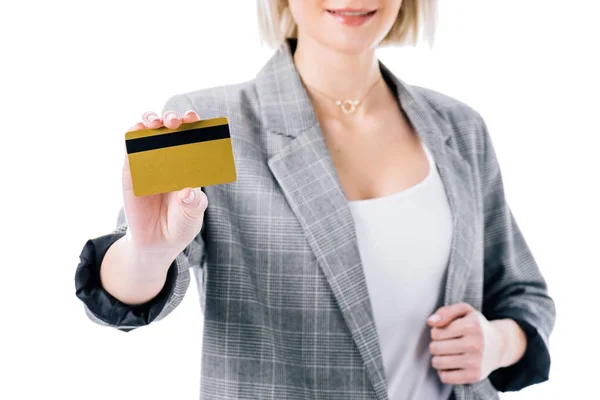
(286, 308)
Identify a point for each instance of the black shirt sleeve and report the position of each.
(102, 304)
(532, 368)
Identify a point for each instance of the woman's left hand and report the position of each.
(465, 346)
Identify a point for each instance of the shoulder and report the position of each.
(445, 108)
(235, 101)
(462, 126)
(457, 121)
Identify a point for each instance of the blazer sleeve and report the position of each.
(514, 287)
(104, 309)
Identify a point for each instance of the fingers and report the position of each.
(456, 346)
(458, 369)
(456, 361)
(190, 116)
(458, 328)
(460, 376)
(171, 120)
(137, 127)
(151, 120)
(447, 314)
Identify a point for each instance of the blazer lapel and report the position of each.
(305, 172)
(308, 179)
(457, 177)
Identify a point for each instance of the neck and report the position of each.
(337, 75)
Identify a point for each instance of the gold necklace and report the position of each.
(348, 106)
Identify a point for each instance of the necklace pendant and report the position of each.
(348, 106)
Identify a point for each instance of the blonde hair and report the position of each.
(416, 22)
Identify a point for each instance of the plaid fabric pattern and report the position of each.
(286, 308)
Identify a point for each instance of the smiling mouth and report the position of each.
(352, 17)
(352, 13)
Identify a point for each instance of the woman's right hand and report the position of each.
(162, 224)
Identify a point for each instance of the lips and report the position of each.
(352, 13)
(352, 17)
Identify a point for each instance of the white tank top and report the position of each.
(404, 242)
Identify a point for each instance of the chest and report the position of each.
(375, 158)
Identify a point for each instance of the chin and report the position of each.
(352, 35)
(348, 43)
(350, 40)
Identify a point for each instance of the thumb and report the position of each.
(194, 201)
(445, 315)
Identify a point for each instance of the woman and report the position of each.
(366, 250)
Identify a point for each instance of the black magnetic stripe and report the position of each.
(177, 138)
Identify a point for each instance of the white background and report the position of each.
(75, 75)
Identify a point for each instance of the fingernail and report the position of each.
(150, 117)
(434, 318)
(190, 197)
(188, 112)
(171, 115)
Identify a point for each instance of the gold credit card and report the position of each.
(196, 154)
